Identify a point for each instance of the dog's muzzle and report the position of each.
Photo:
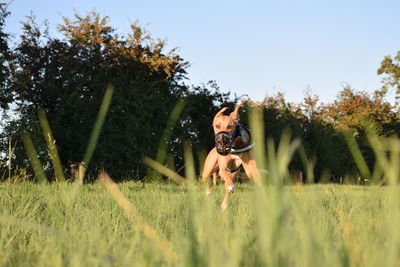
(223, 143)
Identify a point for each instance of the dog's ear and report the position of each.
(235, 115)
(221, 112)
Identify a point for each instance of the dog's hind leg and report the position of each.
(250, 168)
(214, 181)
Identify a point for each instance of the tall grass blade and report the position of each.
(166, 137)
(195, 258)
(201, 155)
(51, 146)
(34, 158)
(271, 205)
(170, 162)
(308, 165)
(284, 155)
(163, 245)
(98, 124)
(262, 202)
(190, 172)
(387, 154)
(164, 170)
(10, 153)
(378, 146)
(357, 155)
(391, 173)
(258, 135)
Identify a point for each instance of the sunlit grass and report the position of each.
(321, 225)
(267, 223)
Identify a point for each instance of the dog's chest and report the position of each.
(235, 160)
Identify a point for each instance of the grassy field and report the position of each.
(268, 223)
(163, 224)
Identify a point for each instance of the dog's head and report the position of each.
(224, 127)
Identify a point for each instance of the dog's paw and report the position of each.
(224, 206)
(208, 191)
(231, 188)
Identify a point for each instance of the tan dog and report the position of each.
(231, 151)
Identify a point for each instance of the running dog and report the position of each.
(231, 151)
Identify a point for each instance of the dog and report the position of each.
(231, 151)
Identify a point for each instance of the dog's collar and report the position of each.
(242, 142)
(241, 150)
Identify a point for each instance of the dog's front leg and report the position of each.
(210, 167)
(227, 177)
(228, 186)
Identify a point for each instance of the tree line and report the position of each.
(66, 77)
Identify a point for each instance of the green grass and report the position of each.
(320, 225)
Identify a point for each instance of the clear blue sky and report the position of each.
(256, 47)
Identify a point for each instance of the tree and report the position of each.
(67, 78)
(5, 58)
(353, 108)
(391, 67)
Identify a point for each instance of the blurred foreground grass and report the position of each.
(317, 225)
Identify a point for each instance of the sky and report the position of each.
(255, 48)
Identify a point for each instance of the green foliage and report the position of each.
(5, 58)
(321, 128)
(67, 78)
(391, 68)
(352, 109)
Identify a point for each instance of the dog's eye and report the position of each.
(217, 126)
(230, 126)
